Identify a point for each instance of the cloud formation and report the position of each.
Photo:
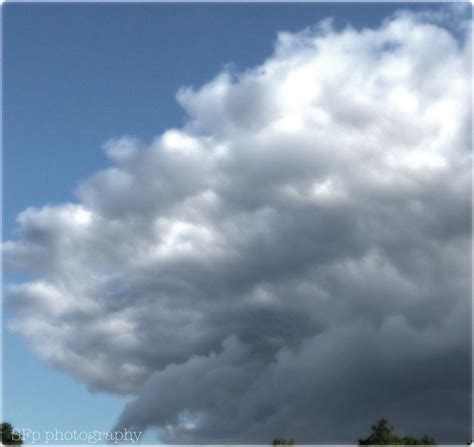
(294, 261)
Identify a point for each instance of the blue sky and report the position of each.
(78, 75)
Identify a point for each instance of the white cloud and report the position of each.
(299, 247)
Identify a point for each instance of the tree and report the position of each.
(382, 434)
(9, 437)
(283, 441)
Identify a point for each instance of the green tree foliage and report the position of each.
(283, 441)
(8, 436)
(382, 434)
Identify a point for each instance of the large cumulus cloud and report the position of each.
(294, 261)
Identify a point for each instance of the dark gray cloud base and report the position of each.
(295, 261)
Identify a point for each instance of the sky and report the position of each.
(225, 219)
